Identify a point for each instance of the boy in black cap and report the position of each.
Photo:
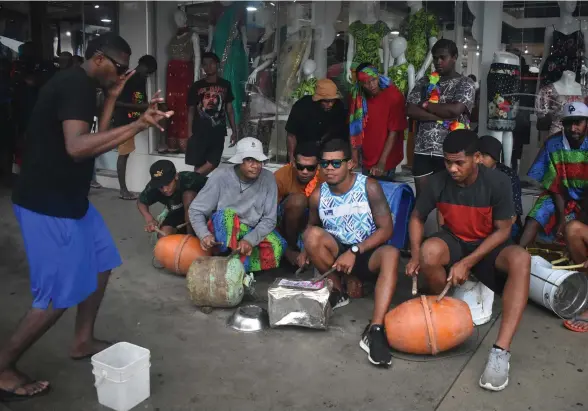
(490, 150)
(172, 189)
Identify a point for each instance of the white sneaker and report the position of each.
(495, 376)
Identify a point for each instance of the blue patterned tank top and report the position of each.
(347, 217)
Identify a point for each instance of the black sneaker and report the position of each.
(374, 342)
(338, 299)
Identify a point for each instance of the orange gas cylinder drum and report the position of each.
(425, 326)
(177, 251)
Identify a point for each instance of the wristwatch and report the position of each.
(355, 249)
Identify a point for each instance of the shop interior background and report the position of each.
(281, 37)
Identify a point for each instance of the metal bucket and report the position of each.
(562, 291)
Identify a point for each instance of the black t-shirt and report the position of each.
(309, 122)
(469, 212)
(187, 180)
(134, 92)
(210, 101)
(51, 182)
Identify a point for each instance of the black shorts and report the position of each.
(426, 164)
(174, 219)
(485, 270)
(361, 267)
(205, 149)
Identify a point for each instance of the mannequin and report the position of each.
(263, 61)
(227, 38)
(422, 31)
(182, 70)
(504, 83)
(294, 52)
(366, 35)
(308, 85)
(401, 72)
(564, 45)
(551, 99)
(324, 18)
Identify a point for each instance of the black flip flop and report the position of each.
(88, 356)
(11, 396)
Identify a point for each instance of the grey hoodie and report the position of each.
(256, 206)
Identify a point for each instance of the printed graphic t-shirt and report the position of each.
(134, 92)
(469, 212)
(431, 134)
(210, 101)
(187, 180)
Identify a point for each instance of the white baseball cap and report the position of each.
(576, 109)
(250, 147)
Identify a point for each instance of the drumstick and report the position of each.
(447, 287)
(158, 231)
(414, 285)
(321, 277)
(568, 267)
(181, 226)
(299, 271)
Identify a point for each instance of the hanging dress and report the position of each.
(504, 84)
(549, 101)
(567, 51)
(180, 76)
(368, 40)
(227, 44)
(417, 29)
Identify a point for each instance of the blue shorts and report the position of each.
(65, 256)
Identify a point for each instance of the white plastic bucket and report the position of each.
(563, 292)
(122, 376)
(478, 297)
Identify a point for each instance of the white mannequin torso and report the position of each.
(506, 58)
(567, 85)
(397, 49)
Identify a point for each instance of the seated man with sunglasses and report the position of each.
(348, 225)
(237, 209)
(296, 182)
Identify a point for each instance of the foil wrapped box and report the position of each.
(299, 303)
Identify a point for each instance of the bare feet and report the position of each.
(84, 350)
(578, 324)
(291, 256)
(14, 386)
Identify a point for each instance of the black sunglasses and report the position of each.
(302, 167)
(120, 69)
(334, 163)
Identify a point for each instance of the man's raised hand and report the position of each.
(152, 116)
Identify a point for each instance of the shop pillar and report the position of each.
(492, 19)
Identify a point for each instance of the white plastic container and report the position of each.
(479, 298)
(563, 292)
(122, 376)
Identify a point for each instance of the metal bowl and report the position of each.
(249, 319)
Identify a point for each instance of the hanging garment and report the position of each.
(228, 46)
(368, 40)
(504, 83)
(180, 76)
(417, 29)
(549, 101)
(567, 51)
(399, 76)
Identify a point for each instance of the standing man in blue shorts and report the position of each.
(69, 249)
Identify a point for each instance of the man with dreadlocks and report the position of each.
(376, 122)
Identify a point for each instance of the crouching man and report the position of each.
(237, 210)
(477, 210)
(356, 222)
(175, 191)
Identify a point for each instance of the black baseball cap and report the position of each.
(491, 146)
(162, 173)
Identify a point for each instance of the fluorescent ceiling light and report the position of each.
(395, 32)
(96, 6)
(68, 33)
(105, 20)
(251, 8)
